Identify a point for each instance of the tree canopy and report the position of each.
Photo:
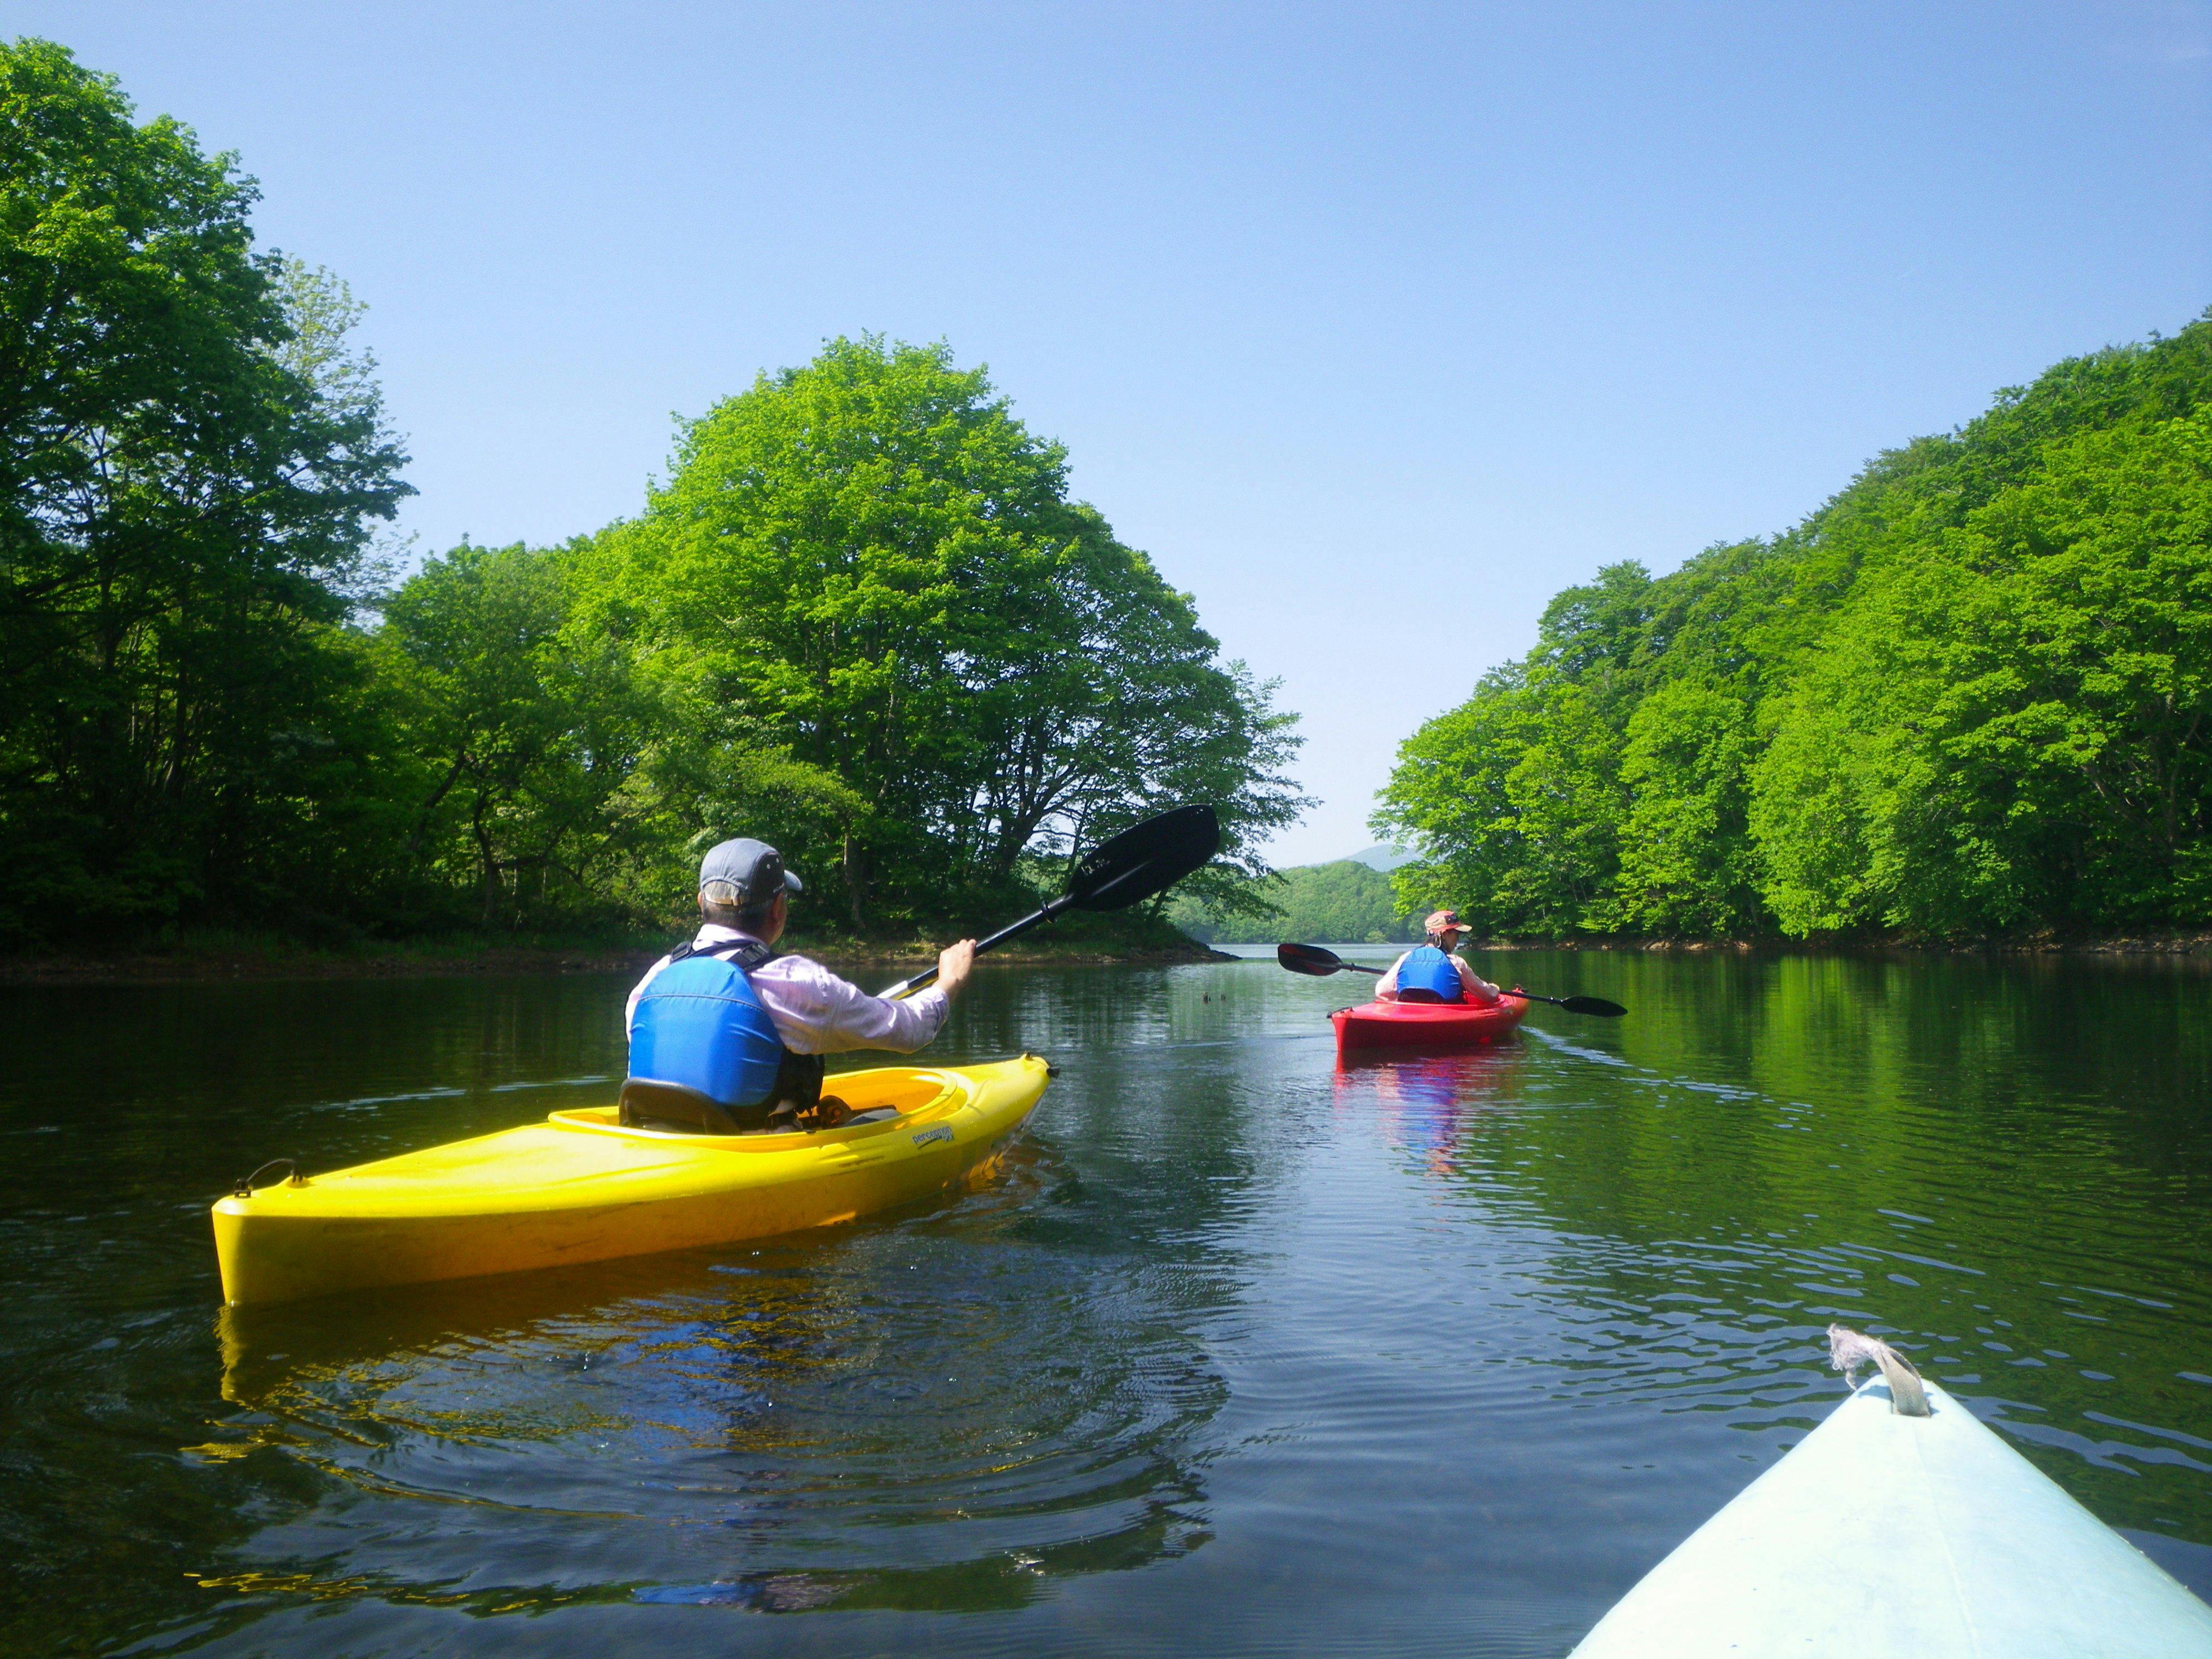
(184, 508)
(862, 618)
(1968, 695)
(868, 567)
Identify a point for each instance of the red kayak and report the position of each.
(1426, 1024)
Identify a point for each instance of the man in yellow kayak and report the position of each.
(1432, 973)
(726, 1034)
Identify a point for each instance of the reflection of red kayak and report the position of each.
(1426, 1024)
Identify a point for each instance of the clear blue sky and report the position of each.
(1375, 325)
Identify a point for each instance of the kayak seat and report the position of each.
(1417, 994)
(646, 1104)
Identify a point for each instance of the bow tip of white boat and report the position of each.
(1883, 1534)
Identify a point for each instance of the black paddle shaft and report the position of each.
(1143, 859)
(1597, 1006)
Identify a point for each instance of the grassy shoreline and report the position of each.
(2138, 943)
(261, 957)
(250, 958)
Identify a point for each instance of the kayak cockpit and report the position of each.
(878, 1100)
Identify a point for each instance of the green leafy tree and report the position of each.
(868, 566)
(2012, 726)
(862, 617)
(2098, 709)
(1964, 696)
(694, 792)
(1687, 866)
(531, 733)
(182, 519)
(1513, 800)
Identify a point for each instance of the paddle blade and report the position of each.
(1146, 859)
(1597, 1006)
(1309, 959)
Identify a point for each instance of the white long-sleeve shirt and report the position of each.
(1478, 989)
(815, 1011)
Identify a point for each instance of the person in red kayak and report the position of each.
(1430, 973)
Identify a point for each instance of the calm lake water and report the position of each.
(1240, 1353)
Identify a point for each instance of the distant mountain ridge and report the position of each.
(1382, 856)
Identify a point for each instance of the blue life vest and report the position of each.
(700, 1025)
(1427, 975)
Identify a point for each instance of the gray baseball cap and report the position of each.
(753, 867)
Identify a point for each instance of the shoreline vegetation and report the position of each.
(2138, 943)
(1344, 899)
(1968, 699)
(1967, 702)
(860, 615)
(274, 956)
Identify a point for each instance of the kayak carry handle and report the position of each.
(243, 1187)
(1848, 1350)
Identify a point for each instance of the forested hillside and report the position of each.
(1967, 696)
(862, 618)
(1344, 901)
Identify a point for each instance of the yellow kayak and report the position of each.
(580, 1186)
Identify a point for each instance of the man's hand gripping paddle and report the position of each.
(1146, 859)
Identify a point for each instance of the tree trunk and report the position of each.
(423, 818)
(491, 883)
(852, 865)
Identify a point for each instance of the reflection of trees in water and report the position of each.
(172, 1092)
(127, 1110)
(2006, 1164)
(942, 1411)
(1822, 1083)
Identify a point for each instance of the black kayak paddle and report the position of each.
(1312, 959)
(1143, 859)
